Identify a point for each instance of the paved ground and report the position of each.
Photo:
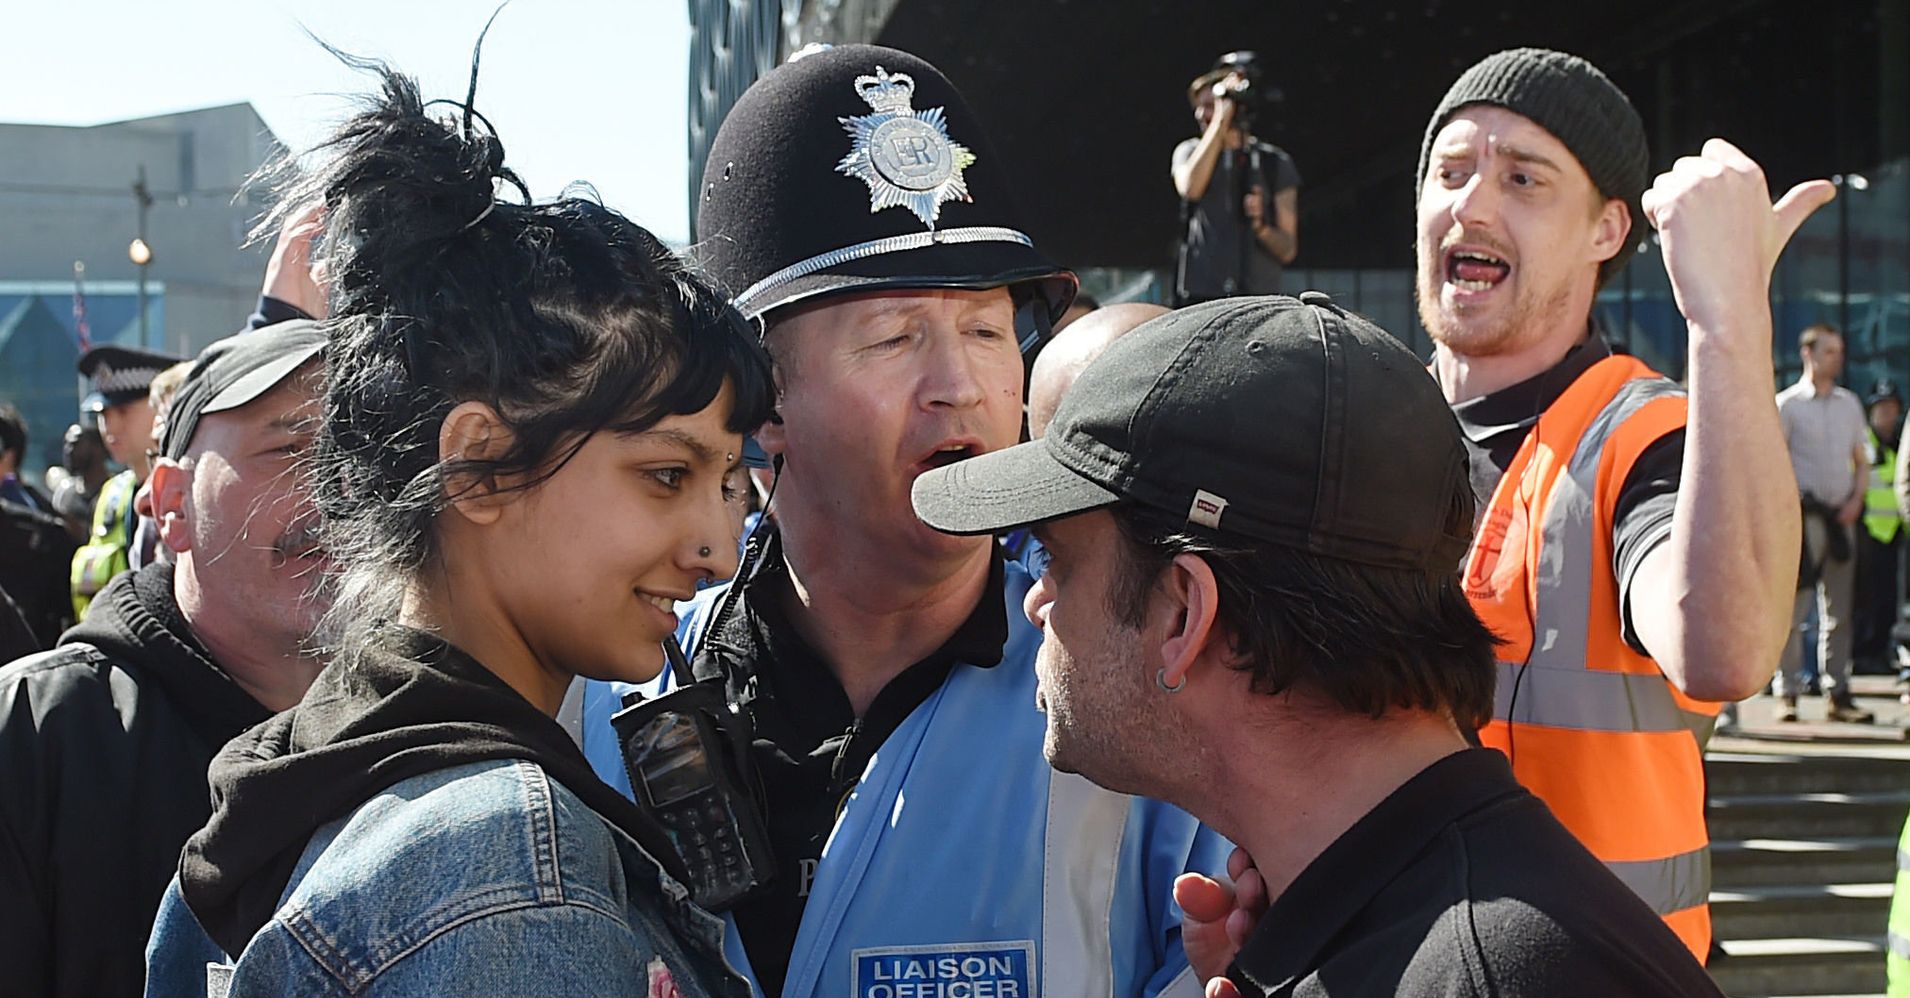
(1810, 734)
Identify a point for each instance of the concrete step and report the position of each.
(1866, 814)
(1734, 773)
(1822, 910)
(1761, 862)
(1825, 965)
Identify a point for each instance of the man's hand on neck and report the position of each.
(870, 619)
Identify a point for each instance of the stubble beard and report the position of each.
(1110, 736)
(1515, 326)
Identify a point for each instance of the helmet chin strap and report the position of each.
(1033, 328)
(753, 546)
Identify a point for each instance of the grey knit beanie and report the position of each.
(1570, 98)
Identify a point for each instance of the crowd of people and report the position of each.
(1252, 655)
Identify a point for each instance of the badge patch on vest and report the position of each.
(904, 155)
(945, 970)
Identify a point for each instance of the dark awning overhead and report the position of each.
(1087, 98)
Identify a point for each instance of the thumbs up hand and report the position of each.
(1721, 233)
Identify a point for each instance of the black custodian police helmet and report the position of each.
(861, 168)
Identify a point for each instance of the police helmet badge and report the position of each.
(904, 155)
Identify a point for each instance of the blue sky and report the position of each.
(578, 89)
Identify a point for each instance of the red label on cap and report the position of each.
(1206, 510)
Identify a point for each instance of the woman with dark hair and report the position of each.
(529, 451)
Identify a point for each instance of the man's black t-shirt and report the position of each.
(1496, 424)
(1223, 257)
(1462, 883)
(810, 748)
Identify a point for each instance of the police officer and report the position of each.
(122, 377)
(1879, 574)
(854, 207)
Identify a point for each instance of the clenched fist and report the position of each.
(1721, 233)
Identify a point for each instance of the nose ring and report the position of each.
(703, 552)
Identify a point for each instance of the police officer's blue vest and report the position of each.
(964, 866)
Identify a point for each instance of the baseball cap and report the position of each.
(236, 370)
(1271, 419)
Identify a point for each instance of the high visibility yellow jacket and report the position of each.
(1881, 517)
(108, 551)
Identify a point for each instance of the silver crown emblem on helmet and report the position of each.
(904, 155)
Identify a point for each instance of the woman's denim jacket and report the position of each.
(482, 879)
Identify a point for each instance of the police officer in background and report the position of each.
(1879, 568)
(122, 377)
(854, 207)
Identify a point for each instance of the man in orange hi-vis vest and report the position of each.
(1634, 550)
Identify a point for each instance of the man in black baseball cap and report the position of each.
(854, 206)
(234, 371)
(1256, 511)
(173, 660)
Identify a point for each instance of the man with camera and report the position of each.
(1240, 195)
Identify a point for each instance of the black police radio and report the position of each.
(687, 754)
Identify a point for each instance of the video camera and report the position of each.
(1238, 77)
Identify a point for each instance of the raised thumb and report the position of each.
(1797, 204)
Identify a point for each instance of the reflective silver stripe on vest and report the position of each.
(1083, 863)
(1556, 689)
(1700, 725)
(1899, 946)
(1586, 700)
(1672, 884)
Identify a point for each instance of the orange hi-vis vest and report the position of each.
(1591, 726)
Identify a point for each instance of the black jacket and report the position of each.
(104, 743)
(36, 561)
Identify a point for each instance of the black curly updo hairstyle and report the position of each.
(564, 317)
